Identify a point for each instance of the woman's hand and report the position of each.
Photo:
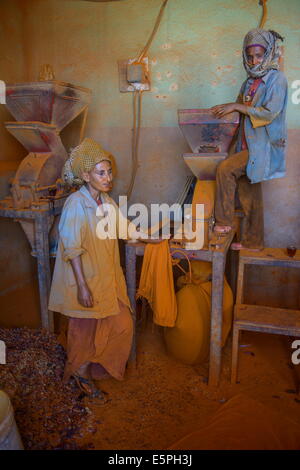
(84, 295)
(222, 109)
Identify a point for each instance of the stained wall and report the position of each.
(19, 303)
(195, 61)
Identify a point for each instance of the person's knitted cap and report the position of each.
(83, 159)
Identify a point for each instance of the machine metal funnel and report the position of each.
(52, 102)
(204, 132)
(36, 136)
(209, 139)
(204, 165)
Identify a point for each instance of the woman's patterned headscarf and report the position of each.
(83, 159)
(269, 41)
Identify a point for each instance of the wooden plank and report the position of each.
(235, 354)
(234, 261)
(288, 263)
(18, 214)
(240, 283)
(55, 206)
(262, 318)
(221, 242)
(204, 255)
(218, 267)
(130, 261)
(268, 255)
(44, 276)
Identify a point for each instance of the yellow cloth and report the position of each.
(157, 284)
(100, 261)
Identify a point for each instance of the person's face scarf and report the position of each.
(260, 53)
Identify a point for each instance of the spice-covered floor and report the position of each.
(158, 402)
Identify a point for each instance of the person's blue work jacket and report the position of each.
(265, 127)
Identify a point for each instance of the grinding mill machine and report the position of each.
(41, 109)
(209, 139)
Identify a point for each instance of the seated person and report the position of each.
(261, 143)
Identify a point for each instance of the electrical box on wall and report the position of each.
(134, 75)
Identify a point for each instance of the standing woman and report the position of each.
(261, 143)
(88, 283)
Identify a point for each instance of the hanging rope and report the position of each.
(176, 261)
(264, 13)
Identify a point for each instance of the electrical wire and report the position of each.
(137, 117)
(133, 147)
(264, 13)
(156, 26)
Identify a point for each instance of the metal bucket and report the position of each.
(9, 434)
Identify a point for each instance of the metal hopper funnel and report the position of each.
(209, 139)
(52, 102)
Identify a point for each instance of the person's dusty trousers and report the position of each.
(231, 176)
